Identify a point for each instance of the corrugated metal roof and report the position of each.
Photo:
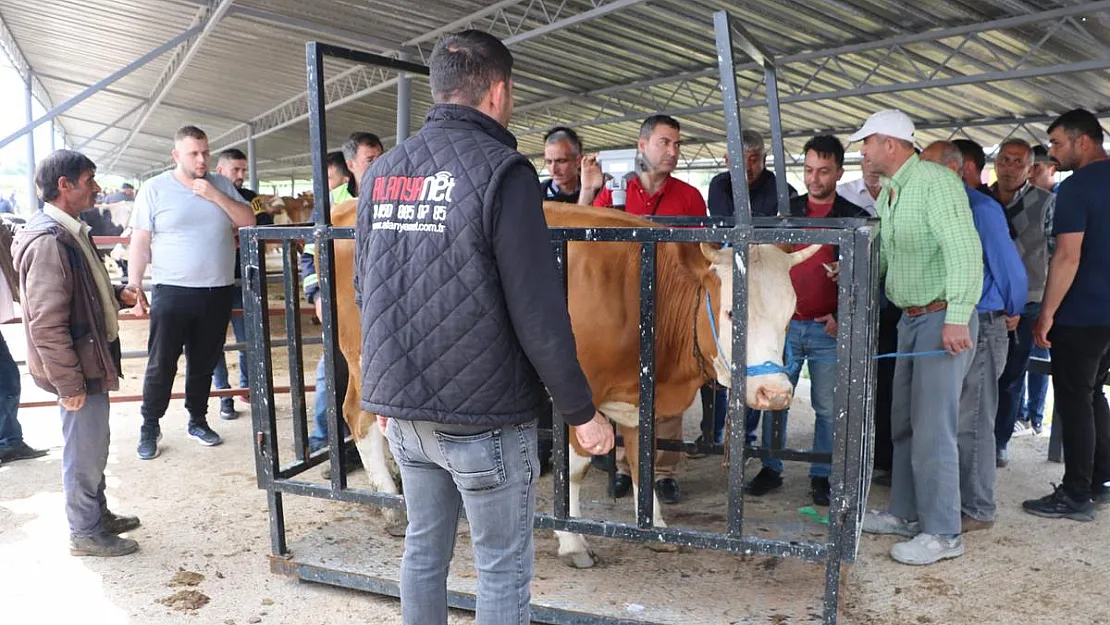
(578, 75)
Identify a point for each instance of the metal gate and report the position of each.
(857, 318)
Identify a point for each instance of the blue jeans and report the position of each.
(808, 339)
(1034, 392)
(318, 438)
(84, 456)
(11, 433)
(489, 473)
(1013, 376)
(239, 329)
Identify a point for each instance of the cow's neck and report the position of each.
(681, 296)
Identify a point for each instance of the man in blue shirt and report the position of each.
(1005, 286)
(1075, 318)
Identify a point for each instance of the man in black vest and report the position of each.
(464, 323)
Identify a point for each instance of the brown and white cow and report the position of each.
(604, 304)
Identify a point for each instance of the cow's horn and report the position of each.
(804, 254)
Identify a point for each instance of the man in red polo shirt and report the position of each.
(654, 191)
(812, 332)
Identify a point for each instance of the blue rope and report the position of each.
(794, 367)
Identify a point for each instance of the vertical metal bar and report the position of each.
(325, 248)
(778, 438)
(772, 86)
(291, 283)
(404, 103)
(739, 236)
(32, 195)
(252, 160)
(260, 371)
(278, 544)
(645, 509)
(560, 462)
(726, 60)
(53, 136)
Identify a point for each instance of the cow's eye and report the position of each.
(729, 313)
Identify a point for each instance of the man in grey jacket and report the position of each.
(463, 326)
(70, 312)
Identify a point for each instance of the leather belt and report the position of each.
(931, 307)
(987, 317)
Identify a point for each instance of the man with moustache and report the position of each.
(653, 192)
(1029, 213)
(184, 225)
(562, 155)
(762, 186)
(812, 332)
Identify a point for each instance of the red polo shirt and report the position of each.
(675, 199)
(816, 292)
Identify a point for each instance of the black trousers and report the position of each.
(884, 386)
(1080, 366)
(190, 319)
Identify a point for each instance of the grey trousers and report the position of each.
(925, 476)
(978, 408)
(84, 456)
(491, 473)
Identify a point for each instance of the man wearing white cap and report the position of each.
(933, 262)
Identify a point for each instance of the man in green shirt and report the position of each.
(933, 263)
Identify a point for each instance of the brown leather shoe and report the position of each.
(971, 524)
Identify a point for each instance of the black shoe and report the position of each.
(1101, 494)
(620, 486)
(1060, 505)
(115, 524)
(667, 490)
(819, 489)
(102, 546)
(227, 409)
(21, 451)
(764, 482)
(204, 434)
(148, 444)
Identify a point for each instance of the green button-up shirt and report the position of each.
(929, 248)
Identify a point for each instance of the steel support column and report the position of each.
(252, 161)
(404, 105)
(32, 196)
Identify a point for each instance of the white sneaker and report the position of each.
(1021, 428)
(879, 522)
(927, 549)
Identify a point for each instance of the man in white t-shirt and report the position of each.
(184, 225)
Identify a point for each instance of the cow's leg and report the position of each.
(373, 450)
(573, 549)
(631, 437)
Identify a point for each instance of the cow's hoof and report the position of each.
(397, 529)
(662, 547)
(578, 559)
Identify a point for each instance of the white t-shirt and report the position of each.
(192, 239)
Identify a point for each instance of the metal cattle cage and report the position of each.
(850, 458)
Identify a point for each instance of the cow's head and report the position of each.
(771, 303)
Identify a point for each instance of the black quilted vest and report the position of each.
(437, 342)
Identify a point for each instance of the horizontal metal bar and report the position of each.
(325, 491)
(368, 58)
(809, 551)
(455, 599)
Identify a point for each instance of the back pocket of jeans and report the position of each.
(474, 460)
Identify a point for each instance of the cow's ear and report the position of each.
(712, 252)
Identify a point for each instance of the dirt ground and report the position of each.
(205, 545)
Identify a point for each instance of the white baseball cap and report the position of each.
(891, 122)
